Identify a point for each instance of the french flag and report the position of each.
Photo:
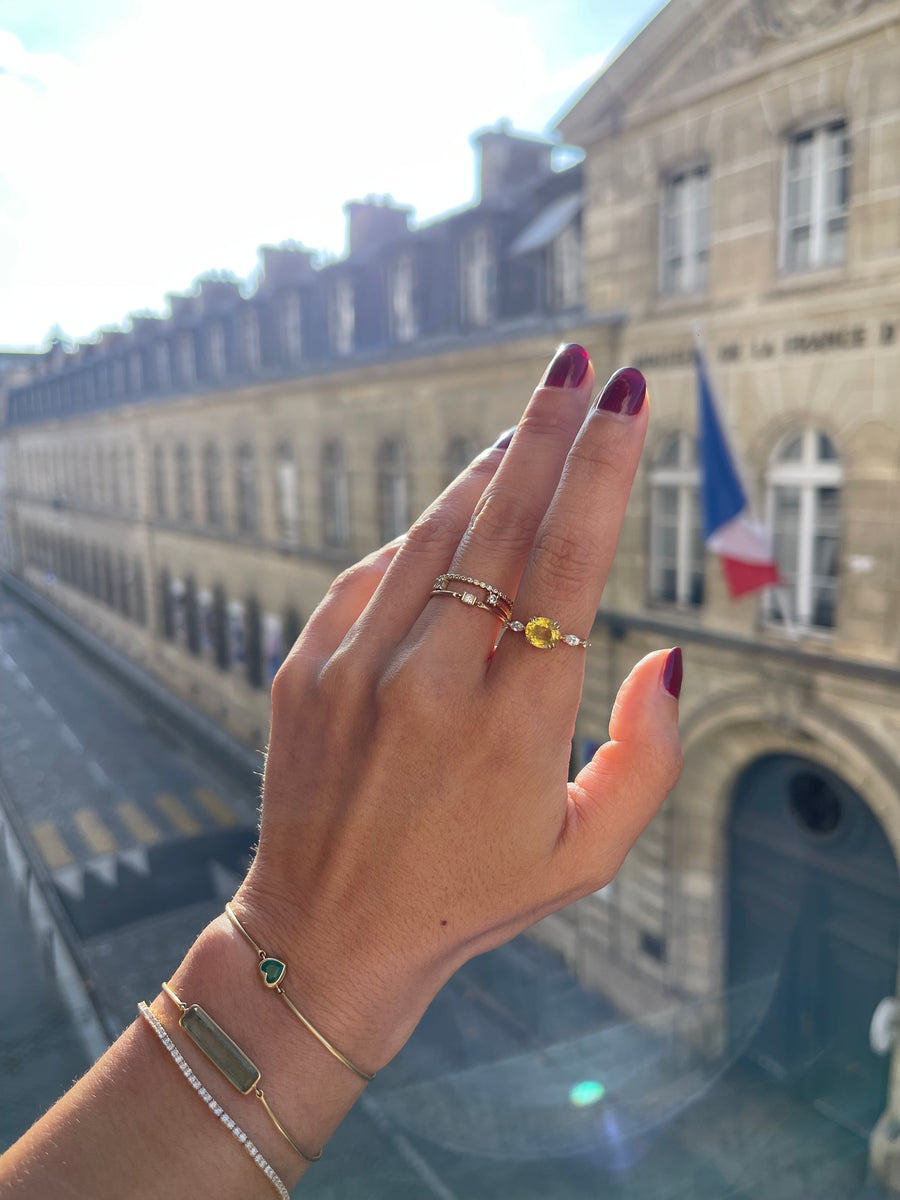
(742, 545)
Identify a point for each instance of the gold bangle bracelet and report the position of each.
(273, 970)
(240, 1071)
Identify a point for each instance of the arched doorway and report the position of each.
(815, 905)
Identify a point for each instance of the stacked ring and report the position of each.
(494, 601)
(544, 633)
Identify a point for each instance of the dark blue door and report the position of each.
(815, 907)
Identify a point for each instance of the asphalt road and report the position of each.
(143, 836)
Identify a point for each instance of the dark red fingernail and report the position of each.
(673, 672)
(624, 393)
(504, 439)
(568, 367)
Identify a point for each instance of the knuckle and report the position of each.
(568, 559)
(504, 522)
(410, 691)
(437, 527)
(599, 456)
(546, 417)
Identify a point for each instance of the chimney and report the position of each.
(507, 161)
(281, 266)
(218, 295)
(373, 222)
(181, 305)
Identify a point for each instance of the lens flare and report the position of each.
(586, 1093)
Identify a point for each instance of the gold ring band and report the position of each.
(494, 601)
(544, 634)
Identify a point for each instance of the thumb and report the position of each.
(616, 795)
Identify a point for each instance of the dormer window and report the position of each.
(187, 361)
(118, 377)
(342, 316)
(564, 268)
(291, 332)
(136, 372)
(476, 277)
(163, 366)
(402, 306)
(216, 345)
(250, 340)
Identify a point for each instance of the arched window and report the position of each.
(804, 508)
(676, 532)
(140, 595)
(184, 482)
(212, 483)
(253, 635)
(460, 453)
(286, 493)
(220, 631)
(191, 615)
(393, 491)
(335, 500)
(292, 626)
(245, 478)
(166, 612)
(159, 481)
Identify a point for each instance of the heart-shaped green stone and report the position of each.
(273, 970)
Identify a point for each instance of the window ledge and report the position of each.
(806, 281)
(666, 302)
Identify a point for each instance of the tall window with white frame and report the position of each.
(816, 198)
(184, 483)
(676, 532)
(212, 484)
(804, 507)
(335, 497)
(393, 490)
(286, 494)
(245, 472)
(476, 275)
(160, 489)
(684, 232)
(401, 288)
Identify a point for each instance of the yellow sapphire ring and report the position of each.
(493, 601)
(544, 634)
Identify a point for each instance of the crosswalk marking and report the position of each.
(53, 849)
(91, 827)
(137, 823)
(173, 810)
(213, 803)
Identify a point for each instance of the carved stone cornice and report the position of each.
(789, 19)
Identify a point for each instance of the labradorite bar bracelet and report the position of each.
(273, 971)
(225, 1054)
(211, 1103)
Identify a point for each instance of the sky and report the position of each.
(146, 142)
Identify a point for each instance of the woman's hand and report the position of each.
(416, 809)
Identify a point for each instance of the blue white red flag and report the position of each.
(743, 546)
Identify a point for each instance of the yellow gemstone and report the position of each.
(542, 632)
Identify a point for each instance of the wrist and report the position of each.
(365, 997)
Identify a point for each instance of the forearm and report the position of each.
(134, 1125)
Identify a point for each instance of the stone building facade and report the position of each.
(189, 487)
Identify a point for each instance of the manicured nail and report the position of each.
(673, 672)
(624, 393)
(568, 367)
(504, 439)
